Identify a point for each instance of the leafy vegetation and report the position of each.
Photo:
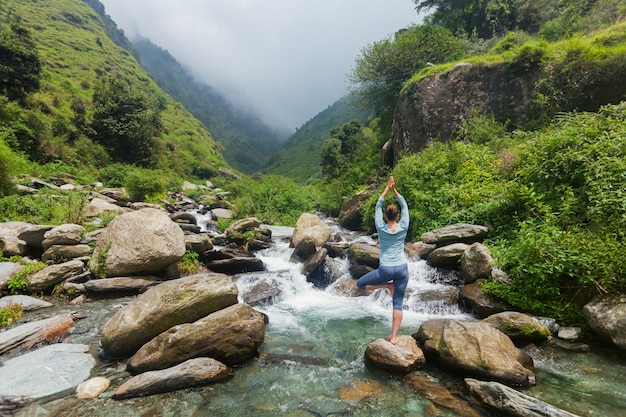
(10, 314)
(299, 157)
(189, 263)
(94, 103)
(384, 66)
(18, 283)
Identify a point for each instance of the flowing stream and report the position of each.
(311, 362)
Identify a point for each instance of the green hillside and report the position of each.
(247, 142)
(299, 157)
(77, 57)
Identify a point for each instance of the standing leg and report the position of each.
(395, 326)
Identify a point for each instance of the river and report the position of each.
(311, 362)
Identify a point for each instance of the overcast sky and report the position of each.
(287, 60)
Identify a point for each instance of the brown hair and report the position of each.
(391, 212)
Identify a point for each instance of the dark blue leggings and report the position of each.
(399, 274)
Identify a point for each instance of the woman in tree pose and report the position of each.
(393, 272)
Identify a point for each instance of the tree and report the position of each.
(20, 66)
(126, 122)
(489, 18)
(341, 148)
(384, 66)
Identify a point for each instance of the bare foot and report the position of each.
(392, 341)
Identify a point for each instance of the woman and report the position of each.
(393, 272)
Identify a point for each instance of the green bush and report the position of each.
(18, 283)
(146, 185)
(10, 314)
(114, 175)
(272, 199)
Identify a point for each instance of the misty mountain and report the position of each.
(299, 157)
(246, 140)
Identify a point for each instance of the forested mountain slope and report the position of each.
(70, 117)
(299, 157)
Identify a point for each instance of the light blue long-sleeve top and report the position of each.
(392, 244)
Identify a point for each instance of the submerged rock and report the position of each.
(51, 370)
(194, 372)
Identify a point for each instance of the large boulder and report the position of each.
(60, 253)
(447, 256)
(521, 328)
(231, 335)
(476, 262)
(606, 317)
(192, 373)
(405, 356)
(138, 243)
(455, 233)
(26, 302)
(184, 300)
(481, 304)
(364, 254)
(310, 225)
(99, 206)
(34, 235)
(476, 348)
(350, 215)
(120, 285)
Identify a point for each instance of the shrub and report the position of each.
(18, 283)
(10, 314)
(189, 264)
(146, 185)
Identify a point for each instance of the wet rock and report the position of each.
(405, 356)
(261, 293)
(441, 396)
(360, 390)
(198, 243)
(183, 217)
(52, 275)
(26, 302)
(346, 286)
(476, 262)
(310, 225)
(337, 249)
(318, 270)
(138, 243)
(364, 254)
(447, 256)
(231, 335)
(521, 328)
(476, 348)
(357, 270)
(304, 249)
(456, 233)
(24, 336)
(184, 300)
(606, 316)
(92, 388)
(237, 265)
(512, 402)
(50, 370)
(480, 303)
(191, 373)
